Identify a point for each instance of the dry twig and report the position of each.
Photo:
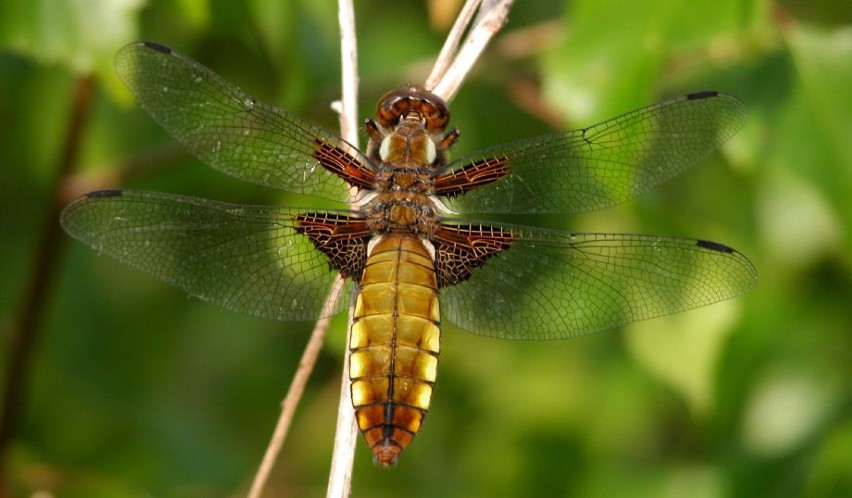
(343, 457)
(294, 393)
(446, 79)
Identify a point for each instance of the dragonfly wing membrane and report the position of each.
(595, 167)
(231, 130)
(555, 285)
(250, 259)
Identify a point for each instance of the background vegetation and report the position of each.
(135, 390)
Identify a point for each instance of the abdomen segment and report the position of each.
(394, 344)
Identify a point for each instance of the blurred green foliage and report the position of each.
(136, 390)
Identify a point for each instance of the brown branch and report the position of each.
(51, 243)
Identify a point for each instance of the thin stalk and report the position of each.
(343, 456)
(490, 19)
(451, 44)
(294, 393)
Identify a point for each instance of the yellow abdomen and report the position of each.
(394, 344)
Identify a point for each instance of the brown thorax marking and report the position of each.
(409, 146)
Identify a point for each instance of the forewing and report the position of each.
(554, 285)
(249, 259)
(231, 130)
(595, 167)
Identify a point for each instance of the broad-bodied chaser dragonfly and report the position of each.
(408, 240)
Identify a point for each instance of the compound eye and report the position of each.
(391, 106)
(435, 114)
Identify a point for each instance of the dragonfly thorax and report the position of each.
(408, 146)
(403, 213)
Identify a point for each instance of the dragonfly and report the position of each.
(425, 240)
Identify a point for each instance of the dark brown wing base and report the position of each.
(461, 248)
(342, 238)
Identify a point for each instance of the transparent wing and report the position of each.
(599, 166)
(228, 128)
(555, 285)
(248, 259)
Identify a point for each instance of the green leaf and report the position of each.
(82, 35)
(589, 76)
(822, 63)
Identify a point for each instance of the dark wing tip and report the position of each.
(702, 95)
(158, 47)
(714, 246)
(98, 194)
